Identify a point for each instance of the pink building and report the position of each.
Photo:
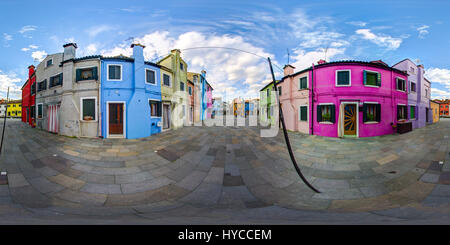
(351, 98)
(209, 100)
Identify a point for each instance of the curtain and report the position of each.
(340, 120)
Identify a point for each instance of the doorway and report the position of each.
(116, 120)
(166, 116)
(350, 119)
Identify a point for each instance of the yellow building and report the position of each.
(14, 108)
(435, 111)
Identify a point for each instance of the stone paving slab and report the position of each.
(17, 180)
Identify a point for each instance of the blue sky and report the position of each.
(310, 30)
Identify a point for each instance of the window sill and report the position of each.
(88, 121)
(371, 122)
(343, 85)
(155, 117)
(146, 83)
(372, 86)
(302, 89)
(57, 86)
(400, 91)
(114, 80)
(86, 80)
(326, 123)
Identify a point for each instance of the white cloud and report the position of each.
(423, 31)
(30, 47)
(39, 55)
(303, 59)
(95, 30)
(11, 81)
(439, 94)
(438, 75)
(229, 72)
(27, 29)
(382, 40)
(357, 23)
(7, 37)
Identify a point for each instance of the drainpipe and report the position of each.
(99, 108)
(312, 100)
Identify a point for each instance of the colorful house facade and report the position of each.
(197, 95)
(419, 90)
(443, 107)
(174, 86)
(12, 108)
(344, 98)
(267, 100)
(435, 110)
(130, 96)
(29, 97)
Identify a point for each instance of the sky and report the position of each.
(307, 30)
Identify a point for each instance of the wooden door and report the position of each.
(116, 118)
(350, 119)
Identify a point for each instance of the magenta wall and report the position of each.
(325, 91)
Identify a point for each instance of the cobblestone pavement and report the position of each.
(224, 175)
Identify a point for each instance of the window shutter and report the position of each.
(333, 114)
(364, 77)
(95, 73)
(379, 79)
(319, 113)
(78, 75)
(365, 112)
(378, 107)
(61, 78)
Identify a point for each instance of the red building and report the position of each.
(29, 98)
(443, 107)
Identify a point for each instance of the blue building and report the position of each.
(130, 96)
(203, 101)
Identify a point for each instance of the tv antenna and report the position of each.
(287, 54)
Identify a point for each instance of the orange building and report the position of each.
(443, 107)
(434, 110)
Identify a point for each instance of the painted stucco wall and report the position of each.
(435, 111)
(325, 91)
(209, 103)
(420, 98)
(291, 98)
(135, 93)
(50, 96)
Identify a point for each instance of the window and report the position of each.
(182, 86)
(39, 111)
(33, 89)
(401, 112)
(371, 112)
(411, 69)
(325, 113)
(190, 90)
(343, 78)
(88, 109)
(426, 93)
(401, 84)
(115, 72)
(155, 108)
(42, 85)
(372, 78)
(413, 87)
(303, 83)
(183, 111)
(195, 79)
(268, 93)
(181, 66)
(412, 112)
(279, 90)
(56, 80)
(32, 111)
(166, 80)
(86, 74)
(150, 76)
(303, 113)
(49, 62)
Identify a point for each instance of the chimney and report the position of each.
(30, 70)
(203, 73)
(69, 51)
(288, 70)
(321, 61)
(138, 51)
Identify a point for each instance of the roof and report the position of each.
(377, 64)
(277, 81)
(118, 57)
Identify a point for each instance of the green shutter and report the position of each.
(379, 79)
(378, 112)
(365, 113)
(95, 73)
(333, 114)
(319, 113)
(365, 77)
(78, 76)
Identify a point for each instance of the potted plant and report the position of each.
(326, 117)
(371, 117)
(88, 118)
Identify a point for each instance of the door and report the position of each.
(53, 118)
(166, 116)
(426, 115)
(115, 118)
(350, 119)
(191, 114)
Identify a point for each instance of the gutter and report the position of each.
(312, 100)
